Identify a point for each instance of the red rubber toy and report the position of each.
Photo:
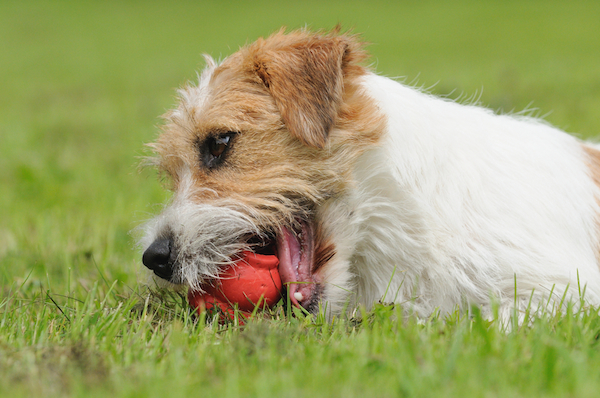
(253, 280)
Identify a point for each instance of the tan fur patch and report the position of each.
(594, 168)
(593, 163)
(305, 75)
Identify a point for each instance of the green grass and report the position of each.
(81, 86)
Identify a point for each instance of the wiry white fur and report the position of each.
(206, 236)
(193, 98)
(455, 204)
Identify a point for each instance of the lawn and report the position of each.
(82, 85)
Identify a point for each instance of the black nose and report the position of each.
(159, 258)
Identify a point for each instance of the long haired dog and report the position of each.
(369, 190)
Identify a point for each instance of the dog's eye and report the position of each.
(215, 148)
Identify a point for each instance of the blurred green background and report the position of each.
(82, 85)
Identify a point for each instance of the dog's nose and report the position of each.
(157, 257)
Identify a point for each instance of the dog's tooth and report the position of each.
(298, 296)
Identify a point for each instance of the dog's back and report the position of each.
(480, 199)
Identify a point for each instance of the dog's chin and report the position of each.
(295, 249)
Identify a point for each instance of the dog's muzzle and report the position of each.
(189, 244)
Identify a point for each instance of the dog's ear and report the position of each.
(305, 76)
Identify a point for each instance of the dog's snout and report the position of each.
(158, 257)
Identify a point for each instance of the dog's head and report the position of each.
(254, 151)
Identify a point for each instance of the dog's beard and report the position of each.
(205, 238)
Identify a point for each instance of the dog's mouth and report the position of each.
(295, 248)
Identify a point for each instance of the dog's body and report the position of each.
(370, 190)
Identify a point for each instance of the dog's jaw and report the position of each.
(219, 234)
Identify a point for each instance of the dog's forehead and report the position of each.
(228, 97)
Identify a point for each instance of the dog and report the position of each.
(370, 190)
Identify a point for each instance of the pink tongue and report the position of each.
(295, 262)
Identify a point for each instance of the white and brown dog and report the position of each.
(369, 190)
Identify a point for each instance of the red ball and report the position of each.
(252, 280)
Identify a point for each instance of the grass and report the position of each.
(82, 85)
(122, 347)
